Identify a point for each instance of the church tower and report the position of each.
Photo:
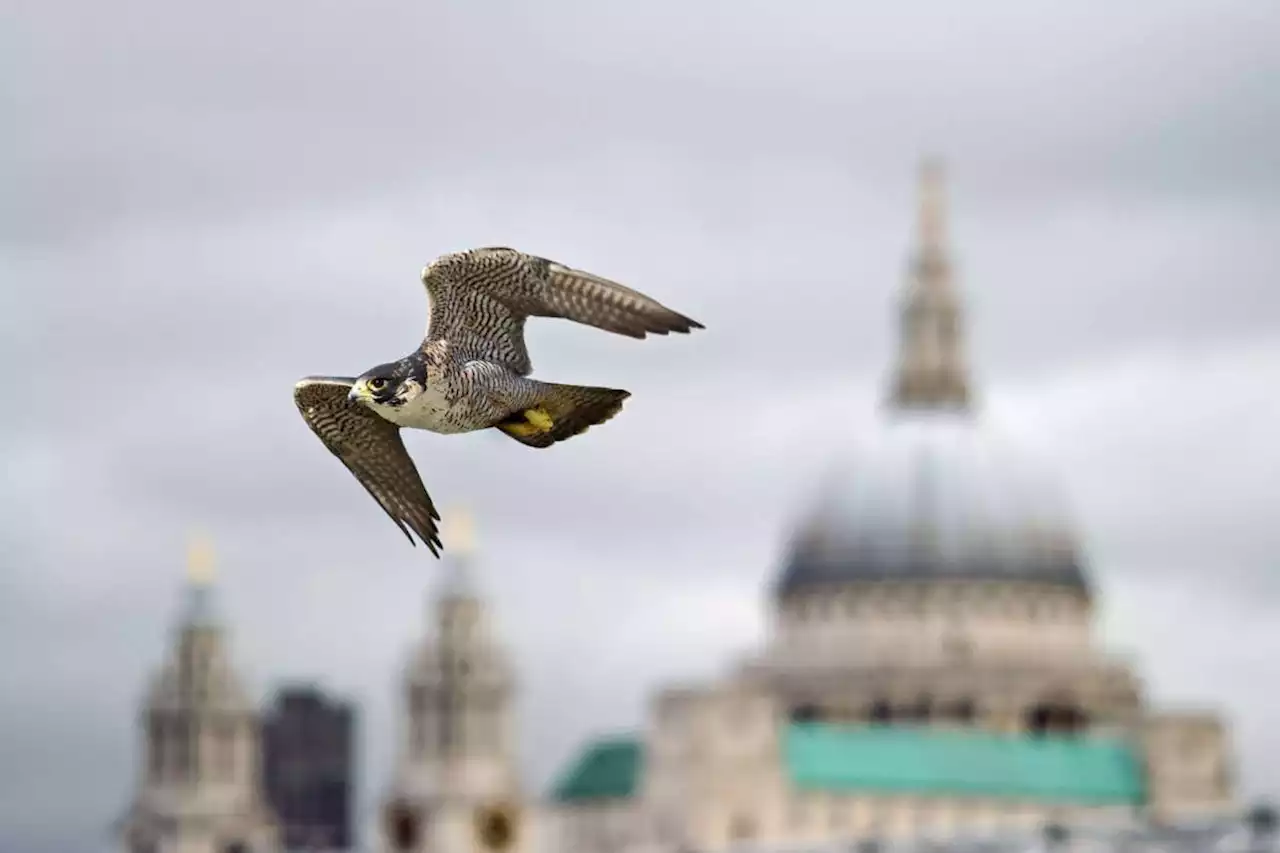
(456, 788)
(199, 788)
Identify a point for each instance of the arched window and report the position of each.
(1038, 720)
(806, 713)
(1058, 716)
(403, 827)
(495, 828)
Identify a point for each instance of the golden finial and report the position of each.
(459, 534)
(200, 561)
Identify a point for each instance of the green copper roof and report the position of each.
(900, 759)
(605, 769)
(919, 760)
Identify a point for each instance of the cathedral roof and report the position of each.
(933, 492)
(608, 768)
(904, 760)
(1093, 771)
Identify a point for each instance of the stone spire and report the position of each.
(199, 789)
(459, 574)
(931, 371)
(457, 763)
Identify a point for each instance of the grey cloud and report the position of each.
(157, 112)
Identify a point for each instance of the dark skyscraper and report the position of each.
(308, 760)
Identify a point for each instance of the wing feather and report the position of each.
(587, 298)
(371, 448)
(482, 297)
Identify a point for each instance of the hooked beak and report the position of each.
(357, 393)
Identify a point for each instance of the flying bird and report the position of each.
(471, 372)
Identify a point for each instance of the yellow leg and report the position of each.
(539, 419)
(535, 421)
(522, 429)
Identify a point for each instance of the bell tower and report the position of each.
(199, 789)
(456, 789)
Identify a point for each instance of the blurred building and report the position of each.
(931, 669)
(308, 768)
(455, 788)
(199, 788)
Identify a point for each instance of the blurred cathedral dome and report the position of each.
(932, 492)
(934, 495)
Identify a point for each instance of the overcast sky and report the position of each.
(204, 203)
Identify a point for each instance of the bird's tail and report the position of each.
(561, 412)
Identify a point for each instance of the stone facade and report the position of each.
(713, 776)
(1190, 765)
(1007, 656)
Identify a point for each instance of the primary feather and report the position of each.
(372, 450)
(482, 297)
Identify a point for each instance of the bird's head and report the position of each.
(387, 385)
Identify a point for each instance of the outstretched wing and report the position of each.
(481, 298)
(373, 450)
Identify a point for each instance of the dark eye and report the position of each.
(378, 384)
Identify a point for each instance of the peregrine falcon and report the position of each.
(471, 372)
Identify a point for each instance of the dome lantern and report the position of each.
(931, 372)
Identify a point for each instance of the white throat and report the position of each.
(424, 408)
